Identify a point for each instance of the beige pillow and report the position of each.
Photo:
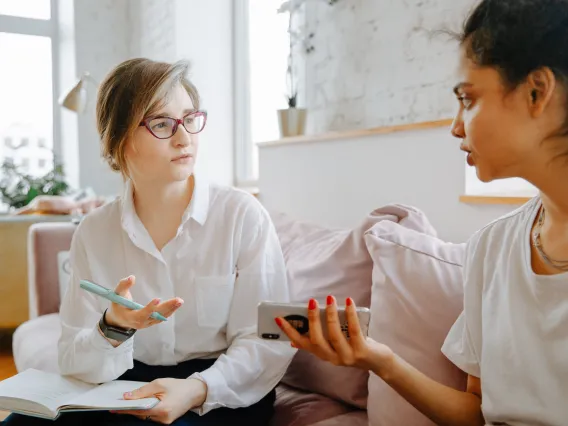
(416, 297)
(322, 261)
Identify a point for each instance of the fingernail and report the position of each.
(128, 394)
(312, 305)
(156, 301)
(349, 301)
(278, 322)
(330, 300)
(130, 279)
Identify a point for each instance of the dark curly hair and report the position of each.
(518, 37)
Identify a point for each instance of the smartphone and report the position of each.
(297, 316)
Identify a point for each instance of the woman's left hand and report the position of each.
(177, 397)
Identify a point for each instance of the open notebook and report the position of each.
(40, 394)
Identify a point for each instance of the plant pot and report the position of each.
(292, 121)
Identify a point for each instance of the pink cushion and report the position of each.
(323, 261)
(354, 418)
(417, 296)
(298, 408)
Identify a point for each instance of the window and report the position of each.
(261, 49)
(35, 9)
(26, 79)
(514, 187)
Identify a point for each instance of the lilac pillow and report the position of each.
(416, 297)
(322, 261)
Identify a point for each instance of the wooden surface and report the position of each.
(352, 134)
(13, 273)
(7, 369)
(14, 266)
(482, 199)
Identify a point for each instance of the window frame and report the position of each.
(243, 146)
(43, 28)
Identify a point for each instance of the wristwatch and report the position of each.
(115, 333)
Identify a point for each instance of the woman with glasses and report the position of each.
(201, 255)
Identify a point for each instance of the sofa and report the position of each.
(391, 261)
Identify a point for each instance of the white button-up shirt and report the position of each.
(224, 260)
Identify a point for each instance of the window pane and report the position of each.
(37, 9)
(26, 104)
(514, 187)
(269, 47)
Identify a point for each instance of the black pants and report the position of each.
(255, 415)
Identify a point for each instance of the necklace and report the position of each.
(561, 265)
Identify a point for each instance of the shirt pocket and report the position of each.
(214, 295)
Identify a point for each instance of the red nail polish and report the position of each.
(330, 300)
(349, 301)
(278, 322)
(312, 305)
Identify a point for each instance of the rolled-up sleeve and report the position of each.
(82, 351)
(462, 345)
(251, 367)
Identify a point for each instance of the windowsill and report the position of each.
(353, 134)
(493, 199)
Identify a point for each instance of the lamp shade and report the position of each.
(76, 98)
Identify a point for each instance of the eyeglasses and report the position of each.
(166, 127)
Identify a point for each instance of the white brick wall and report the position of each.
(153, 29)
(375, 62)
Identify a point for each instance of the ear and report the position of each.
(541, 85)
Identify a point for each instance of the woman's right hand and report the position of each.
(120, 316)
(357, 351)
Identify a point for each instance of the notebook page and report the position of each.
(110, 396)
(47, 389)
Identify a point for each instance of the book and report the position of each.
(47, 395)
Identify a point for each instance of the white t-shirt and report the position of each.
(513, 333)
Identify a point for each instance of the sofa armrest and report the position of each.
(45, 240)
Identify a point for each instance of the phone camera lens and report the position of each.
(271, 336)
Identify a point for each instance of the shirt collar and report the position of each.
(197, 209)
(199, 204)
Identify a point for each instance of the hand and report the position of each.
(120, 316)
(177, 397)
(357, 351)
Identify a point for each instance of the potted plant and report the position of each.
(292, 120)
(18, 189)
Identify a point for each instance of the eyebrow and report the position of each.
(167, 114)
(459, 86)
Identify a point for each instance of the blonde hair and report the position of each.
(133, 90)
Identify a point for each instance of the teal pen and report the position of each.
(109, 294)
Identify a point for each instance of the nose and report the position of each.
(182, 137)
(458, 130)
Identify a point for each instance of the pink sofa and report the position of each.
(35, 342)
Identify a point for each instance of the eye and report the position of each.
(465, 101)
(159, 123)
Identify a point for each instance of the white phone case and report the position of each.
(297, 316)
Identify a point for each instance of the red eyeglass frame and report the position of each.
(177, 122)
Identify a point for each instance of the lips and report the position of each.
(181, 157)
(469, 157)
